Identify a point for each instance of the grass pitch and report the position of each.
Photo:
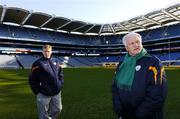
(86, 94)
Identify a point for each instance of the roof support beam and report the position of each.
(74, 30)
(26, 18)
(124, 27)
(101, 29)
(151, 20)
(46, 22)
(3, 13)
(108, 27)
(64, 25)
(112, 28)
(171, 15)
(89, 28)
(136, 25)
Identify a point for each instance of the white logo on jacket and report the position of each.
(54, 63)
(138, 67)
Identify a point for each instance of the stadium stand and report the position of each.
(8, 61)
(77, 43)
(26, 60)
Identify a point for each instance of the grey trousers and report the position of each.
(49, 107)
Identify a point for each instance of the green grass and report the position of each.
(173, 99)
(16, 99)
(86, 94)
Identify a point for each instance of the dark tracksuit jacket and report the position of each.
(146, 98)
(46, 77)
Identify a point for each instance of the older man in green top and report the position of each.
(139, 87)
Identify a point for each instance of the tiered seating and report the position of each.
(161, 33)
(39, 35)
(8, 61)
(167, 56)
(4, 31)
(26, 60)
(48, 36)
(91, 61)
(173, 31)
(19, 32)
(23, 33)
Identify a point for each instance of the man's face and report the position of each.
(133, 46)
(47, 52)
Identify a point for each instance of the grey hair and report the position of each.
(131, 34)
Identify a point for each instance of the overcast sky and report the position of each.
(93, 11)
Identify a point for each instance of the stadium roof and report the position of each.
(22, 17)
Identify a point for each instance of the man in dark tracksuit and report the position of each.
(143, 95)
(46, 81)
